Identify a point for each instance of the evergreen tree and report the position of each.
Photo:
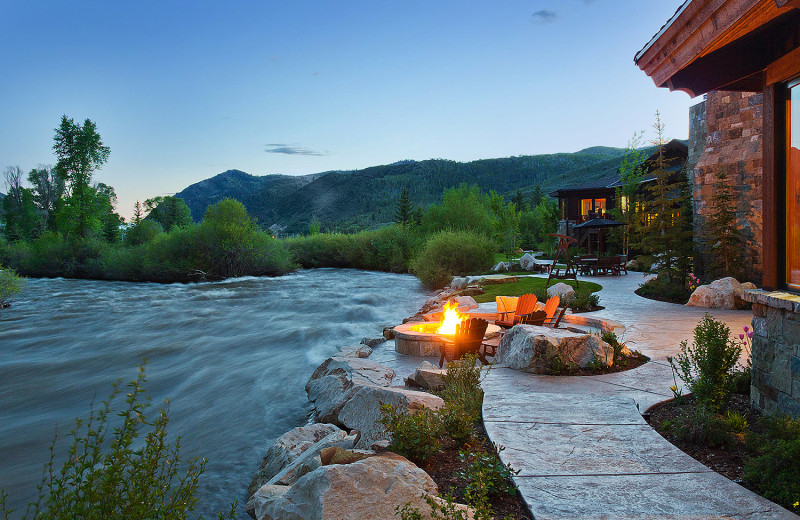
(722, 238)
(404, 212)
(138, 210)
(537, 194)
(170, 212)
(519, 200)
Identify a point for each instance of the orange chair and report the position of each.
(525, 306)
(552, 312)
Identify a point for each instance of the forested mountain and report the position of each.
(349, 200)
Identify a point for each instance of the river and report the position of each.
(232, 358)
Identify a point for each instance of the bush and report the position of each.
(583, 299)
(707, 366)
(661, 289)
(143, 232)
(457, 422)
(415, 435)
(702, 427)
(774, 470)
(486, 473)
(449, 253)
(462, 385)
(114, 472)
(10, 285)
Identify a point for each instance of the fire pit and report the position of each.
(425, 339)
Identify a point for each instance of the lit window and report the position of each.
(793, 192)
(586, 206)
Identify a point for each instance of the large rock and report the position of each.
(560, 289)
(500, 267)
(337, 379)
(428, 376)
(369, 488)
(527, 262)
(363, 410)
(289, 447)
(357, 351)
(725, 293)
(459, 282)
(530, 348)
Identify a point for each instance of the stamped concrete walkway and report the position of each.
(581, 445)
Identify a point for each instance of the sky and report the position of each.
(183, 90)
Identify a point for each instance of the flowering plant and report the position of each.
(694, 282)
(745, 341)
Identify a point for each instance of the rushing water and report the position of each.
(232, 357)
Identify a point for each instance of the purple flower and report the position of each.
(746, 328)
(750, 334)
(741, 336)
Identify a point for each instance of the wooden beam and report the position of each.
(773, 174)
(784, 68)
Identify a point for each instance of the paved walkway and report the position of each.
(581, 445)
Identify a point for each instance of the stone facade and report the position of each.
(775, 385)
(725, 135)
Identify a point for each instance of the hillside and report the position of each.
(366, 198)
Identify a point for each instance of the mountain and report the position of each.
(357, 199)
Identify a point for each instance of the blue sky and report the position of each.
(183, 90)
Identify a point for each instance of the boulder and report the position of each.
(337, 379)
(725, 293)
(527, 262)
(500, 267)
(531, 348)
(465, 301)
(459, 282)
(355, 351)
(363, 410)
(471, 291)
(371, 342)
(388, 333)
(368, 488)
(428, 376)
(289, 446)
(496, 279)
(560, 289)
(633, 265)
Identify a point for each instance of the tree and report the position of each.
(22, 220)
(48, 189)
(13, 181)
(138, 212)
(105, 202)
(314, 226)
(506, 223)
(537, 194)
(519, 200)
(723, 239)
(404, 212)
(170, 212)
(631, 173)
(80, 151)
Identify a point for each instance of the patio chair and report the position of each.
(467, 339)
(555, 320)
(525, 305)
(506, 307)
(551, 307)
(622, 266)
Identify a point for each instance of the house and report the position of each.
(752, 46)
(596, 197)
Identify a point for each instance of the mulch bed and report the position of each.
(623, 363)
(444, 466)
(725, 460)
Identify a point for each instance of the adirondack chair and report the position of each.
(467, 339)
(525, 305)
(553, 313)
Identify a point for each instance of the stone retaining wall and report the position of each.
(775, 385)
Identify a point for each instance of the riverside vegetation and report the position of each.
(67, 225)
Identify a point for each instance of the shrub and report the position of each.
(415, 435)
(662, 289)
(462, 385)
(774, 470)
(486, 473)
(582, 299)
(707, 365)
(114, 472)
(449, 253)
(702, 427)
(612, 339)
(143, 232)
(457, 422)
(10, 285)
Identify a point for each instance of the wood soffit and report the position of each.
(702, 28)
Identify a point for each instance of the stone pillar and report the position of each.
(775, 384)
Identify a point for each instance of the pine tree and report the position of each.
(519, 201)
(137, 212)
(404, 212)
(723, 239)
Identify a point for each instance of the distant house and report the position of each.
(751, 46)
(585, 200)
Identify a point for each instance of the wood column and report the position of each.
(774, 185)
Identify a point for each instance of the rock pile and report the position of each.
(725, 293)
(532, 349)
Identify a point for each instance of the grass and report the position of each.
(525, 285)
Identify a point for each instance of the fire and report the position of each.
(451, 319)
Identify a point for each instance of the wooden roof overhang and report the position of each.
(723, 45)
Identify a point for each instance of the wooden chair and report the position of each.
(622, 265)
(556, 319)
(525, 305)
(536, 317)
(551, 307)
(467, 339)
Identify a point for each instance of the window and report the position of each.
(586, 206)
(793, 190)
(600, 205)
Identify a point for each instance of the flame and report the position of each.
(451, 319)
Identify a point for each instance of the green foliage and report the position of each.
(631, 172)
(530, 284)
(142, 232)
(171, 212)
(79, 151)
(464, 209)
(612, 339)
(663, 289)
(404, 211)
(415, 434)
(458, 422)
(314, 226)
(387, 249)
(449, 253)
(706, 366)
(123, 470)
(701, 427)
(462, 385)
(486, 473)
(774, 471)
(736, 422)
(583, 299)
(506, 223)
(10, 285)
(724, 242)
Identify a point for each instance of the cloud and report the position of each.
(544, 16)
(291, 150)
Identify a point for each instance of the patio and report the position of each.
(581, 444)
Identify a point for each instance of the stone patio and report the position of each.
(581, 445)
